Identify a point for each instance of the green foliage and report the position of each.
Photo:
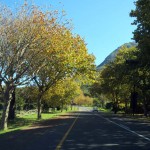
(109, 105)
(142, 32)
(118, 78)
(85, 89)
(26, 98)
(142, 37)
(111, 57)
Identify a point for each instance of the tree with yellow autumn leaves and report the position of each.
(36, 47)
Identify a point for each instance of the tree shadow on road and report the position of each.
(44, 135)
(90, 132)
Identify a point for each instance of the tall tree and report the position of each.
(22, 42)
(142, 32)
(62, 93)
(142, 37)
(66, 57)
(118, 77)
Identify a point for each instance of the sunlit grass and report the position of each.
(104, 109)
(23, 121)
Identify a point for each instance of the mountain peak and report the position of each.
(113, 54)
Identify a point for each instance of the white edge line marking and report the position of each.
(126, 128)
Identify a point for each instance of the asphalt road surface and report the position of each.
(83, 130)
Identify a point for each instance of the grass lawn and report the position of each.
(26, 120)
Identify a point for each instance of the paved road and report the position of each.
(83, 130)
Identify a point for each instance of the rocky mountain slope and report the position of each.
(112, 55)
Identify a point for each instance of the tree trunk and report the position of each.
(115, 104)
(145, 107)
(39, 101)
(62, 106)
(11, 115)
(7, 100)
(126, 106)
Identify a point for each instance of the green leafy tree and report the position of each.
(142, 32)
(142, 37)
(26, 97)
(119, 77)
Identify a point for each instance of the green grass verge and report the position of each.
(24, 121)
(104, 109)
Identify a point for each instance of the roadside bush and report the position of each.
(29, 106)
(45, 108)
(109, 105)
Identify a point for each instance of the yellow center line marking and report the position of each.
(66, 134)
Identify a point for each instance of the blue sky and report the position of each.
(104, 24)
